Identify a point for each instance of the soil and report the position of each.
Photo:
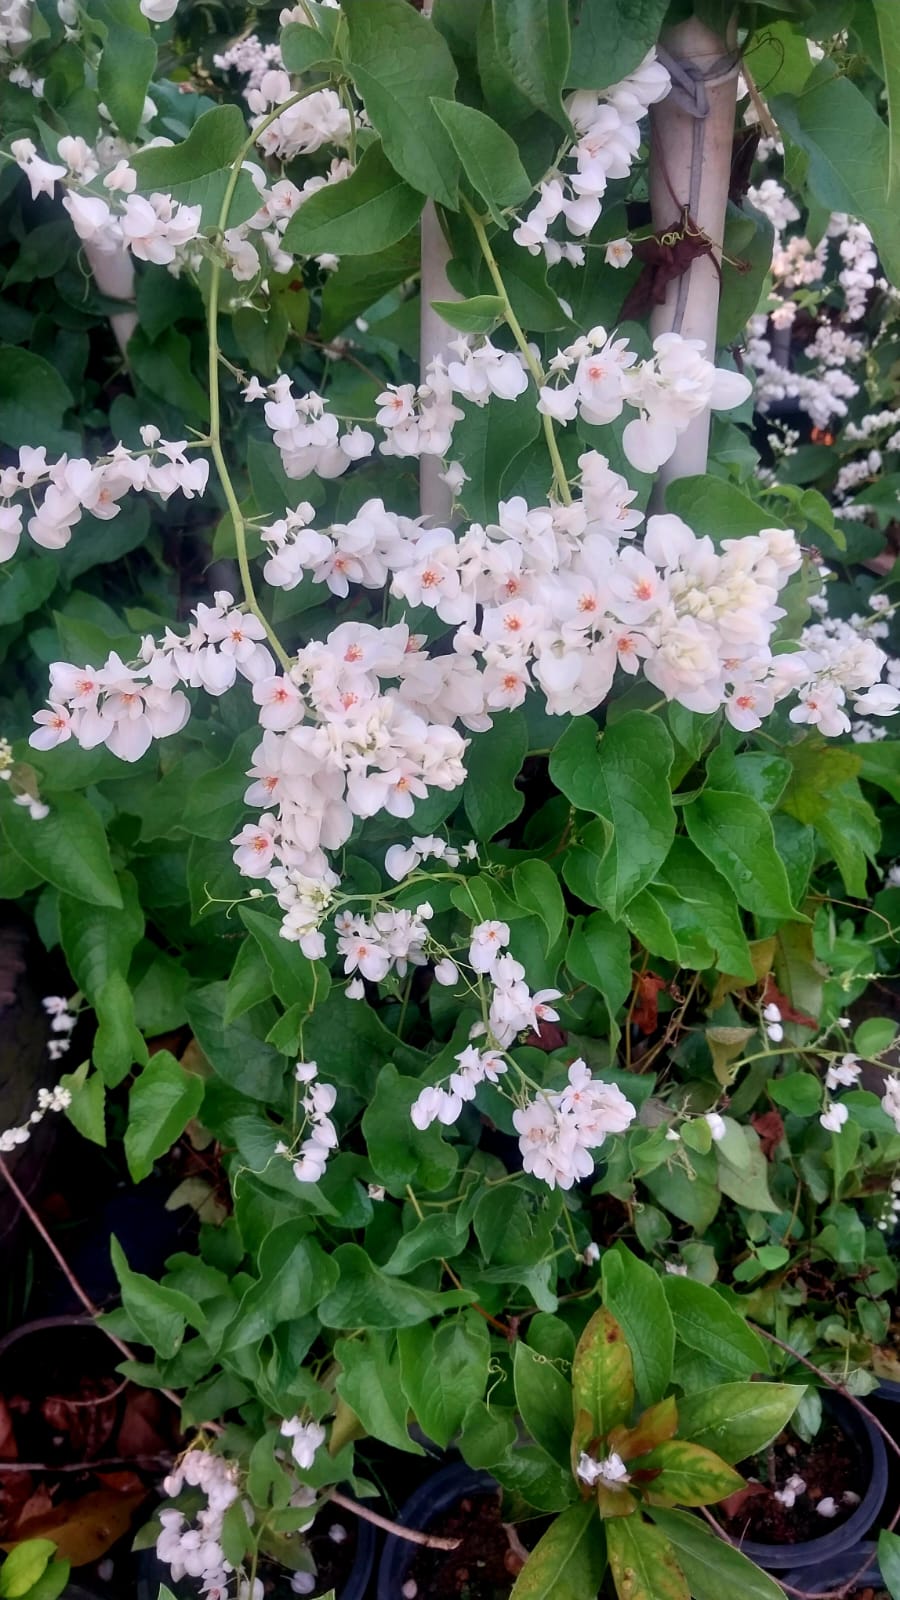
(487, 1562)
(830, 1465)
(334, 1561)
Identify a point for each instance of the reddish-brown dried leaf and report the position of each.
(770, 1127)
(645, 1014)
(772, 995)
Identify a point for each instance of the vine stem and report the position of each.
(433, 1540)
(69, 1275)
(215, 408)
(515, 327)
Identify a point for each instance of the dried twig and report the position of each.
(413, 1535)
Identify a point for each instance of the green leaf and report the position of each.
(490, 443)
(642, 1561)
(743, 1170)
(369, 1382)
(533, 48)
(624, 781)
(362, 214)
(238, 1053)
(52, 1582)
(536, 887)
(159, 1314)
(212, 143)
(493, 763)
(849, 159)
(164, 368)
(568, 1561)
(100, 940)
(762, 776)
(23, 1566)
(68, 848)
(488, 1432)
(713, 1568)
(86, 1110)
(365, 1297)
(602, 1374)
(799, 1092)
(599, 954)
(361, 280)
(544, 1400)
(444, 1372)
(735, 834)
(711, 506)
(478, 314)
(117, 1042)
(690, 1474)
(634, 1294)
(127, 62)
(399, 62)
(738, 1419)
(249, 982)
(705, 1323)
(161, 1104)
(399, 1153)
(874, 1036)
(881, 765)
(295, 979)
(302, 47)
(33, 397)
(489, 157)
(437, 1238)
(888, 1561)
(295, 1274)
(609, 41)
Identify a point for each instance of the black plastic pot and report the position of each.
(436, 1495)
(835, 1541)
(831, 1574)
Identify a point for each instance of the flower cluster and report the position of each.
(63, 1018)
(72, 486)
(676, 385)
(318, 119)
(194, 1549)
(317, 1102)
(56, 1099)
(608, 128)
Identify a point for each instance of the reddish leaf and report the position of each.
(646, 1008)
(547, 1036)
(770, 1127)
(772, 995)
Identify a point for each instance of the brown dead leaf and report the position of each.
(735, 1503)
(140, 1433)
(646, 1008)
(770, 1127)
(84, 1529)
(9, 1450)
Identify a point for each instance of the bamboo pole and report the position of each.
(690, 165)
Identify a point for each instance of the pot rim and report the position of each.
(437, 1493)
(833, 1542)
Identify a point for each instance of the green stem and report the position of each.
(215, 407)
(515, 327)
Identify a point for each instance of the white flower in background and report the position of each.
(843, 1074)
(159, 10)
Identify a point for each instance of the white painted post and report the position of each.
(435, 498)
(690, 165)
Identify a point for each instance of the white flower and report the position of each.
(611, 1470)
(834, 1117)
(843, 1074)
(827, 1507)
(618, 253)
(488, 940)
(159, 10)
(306, 1438)
(717, 1126)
